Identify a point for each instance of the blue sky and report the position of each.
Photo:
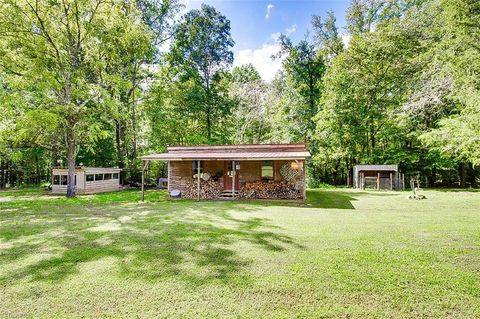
(255, 25)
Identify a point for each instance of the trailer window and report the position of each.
(107, 176)
(63, 179)
(115, 175)
(99, 177)
(90, 178)
(56, 179)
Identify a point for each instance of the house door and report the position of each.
(227, 176)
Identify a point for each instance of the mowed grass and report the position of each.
(345, 254)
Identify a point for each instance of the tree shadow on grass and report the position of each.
(199, 244)
(321, 198)
(341, 199)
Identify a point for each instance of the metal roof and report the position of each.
(359, 168)
(233, 152)
(87, 168)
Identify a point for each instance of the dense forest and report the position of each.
(88, 82)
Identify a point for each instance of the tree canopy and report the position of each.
(90, 82)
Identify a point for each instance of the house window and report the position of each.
(195, 167)
(90, 178)
(267, 170)
(115, 176)
(99, 177)
(107, 176)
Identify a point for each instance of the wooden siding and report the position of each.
(102, 186)
(250, 171)
(180, 174)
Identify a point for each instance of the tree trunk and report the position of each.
(118, 142)
(208, 108)
(2, 173)
(134, 119)
(311, 122)
(462, 175)
(372, 136)
(433, 178)
(471, 175)
(71, 154)
(38, 178)
(209, 124)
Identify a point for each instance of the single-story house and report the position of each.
(273, 171)
(88, 180)
(377, 177)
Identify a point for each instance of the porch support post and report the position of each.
(378, 181)
(391, 181)
(168, 177)
(198, 180)
(144, 167)
(233, 180)
(304, 181)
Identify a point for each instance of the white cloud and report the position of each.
(261, 58)
(275, 36)
(291, 30)
(269, 9)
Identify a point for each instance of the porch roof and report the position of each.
(233, 152)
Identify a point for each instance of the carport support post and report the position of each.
(198, 180)
(391, 181)
(378, 181)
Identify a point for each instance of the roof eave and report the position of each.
(153, 158)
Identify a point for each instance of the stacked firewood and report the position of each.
(269, 190)
(208, 189)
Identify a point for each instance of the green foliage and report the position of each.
(88, 84)
(245, 73)
(326, 35)
(201, 53)
(456, 135)
(304, 67)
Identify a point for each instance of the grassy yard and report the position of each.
(347, 254)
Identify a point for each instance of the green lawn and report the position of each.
(347, 254)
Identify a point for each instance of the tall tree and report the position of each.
(326, 35)
(59, 45)
(449, 83)
(305, 67)
(251, 113)
(201, 52)
(363, 92)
